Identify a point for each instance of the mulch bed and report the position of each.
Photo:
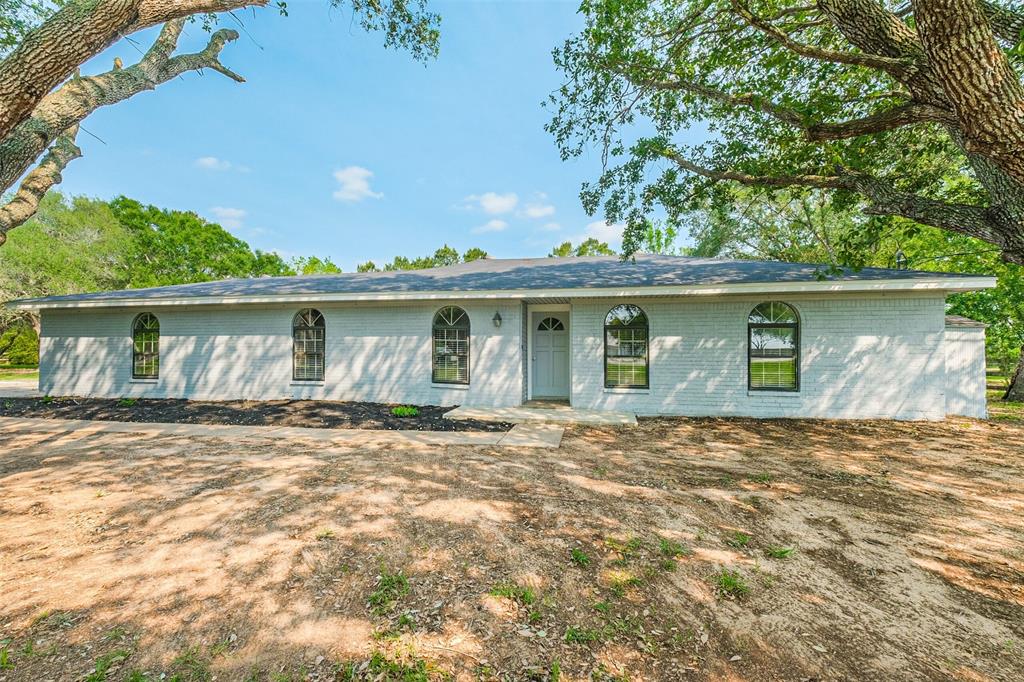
(320, 414)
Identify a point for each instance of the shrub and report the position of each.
(405, 411)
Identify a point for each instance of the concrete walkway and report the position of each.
(521, 435)
(19, 388)
(562, 415)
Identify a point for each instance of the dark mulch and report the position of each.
(321, 414)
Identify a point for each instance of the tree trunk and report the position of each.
(1015, 392)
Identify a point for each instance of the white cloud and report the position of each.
(490, 226)
(215, 164)
(354, 184)
(228, 218)
(492, 202)
(610, 233)
(551, 227)
(539, 210)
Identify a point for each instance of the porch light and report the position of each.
(496, 319)
(901, 260)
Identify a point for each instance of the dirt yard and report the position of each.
(680, 549)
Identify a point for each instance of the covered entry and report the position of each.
(549, 354)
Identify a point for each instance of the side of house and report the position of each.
(841, 356)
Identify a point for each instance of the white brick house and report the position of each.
(661, 335)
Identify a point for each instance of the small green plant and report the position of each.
(668, 564)
(738, 539)
(620, 583)
(5, 659)
(574, 635)
(384, 669)
(405, 411)
(390, 588)
(324, 534)
(671, 548)
(137, 676)
(731, 584)
(534, 617)
(555, 673)
(780, 552)
(602, 606)
(8, 404)
(47, 399)
(115, 634)
(104, 663)
(579, 557)
(763, 477)
(126, 402)
(517, 593)
(191, 666)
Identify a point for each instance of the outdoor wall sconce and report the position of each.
(496, 319)
(901, 260)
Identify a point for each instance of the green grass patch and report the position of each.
(1002, 410)
(575, 635)
(579, 557)
(517, 593)
(105, 662)
(738, 539)
(390, 588)
(671, 548)
(780, 552)
(731, 584)
(405, 411)
(127, 402)
(7, 374)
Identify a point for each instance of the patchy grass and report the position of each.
(731, 584)
(19, 373)
(390, 588)
(1002, 410)
(738, 539)
(579, 557)
(264, 559)
(517, 593)
(405, 411)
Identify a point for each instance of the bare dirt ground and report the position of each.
(680, 549)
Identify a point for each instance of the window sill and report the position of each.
(454, 387)
(310, 382)
(774, 394)
(639, 391)
(144, 381)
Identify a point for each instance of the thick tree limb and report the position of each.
(1007, 24)
(75, 33)
(871, 61)
(79, 97)
(974, 221)
(890, 119)
(982, 86)
(26, 200)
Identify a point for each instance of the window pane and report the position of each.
(309, 337)
(451, 356)
(626, 357)
(146, 347)
(773, 357)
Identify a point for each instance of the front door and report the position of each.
(550, 354)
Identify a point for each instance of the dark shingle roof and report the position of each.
(524, 274)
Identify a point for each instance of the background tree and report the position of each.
(313, 265)
(588, 247)
(900, 110)
(443, 257)
(43, 98)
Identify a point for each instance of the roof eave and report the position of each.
(936, 285)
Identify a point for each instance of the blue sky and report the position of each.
(337, 147)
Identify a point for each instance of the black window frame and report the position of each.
(447, 326)
(304, 322)
(795, 326)
(646, 326)
(143, 357)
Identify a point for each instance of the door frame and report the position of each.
(544, 308)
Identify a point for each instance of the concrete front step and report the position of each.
(562, 415)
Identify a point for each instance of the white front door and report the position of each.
(550, 354)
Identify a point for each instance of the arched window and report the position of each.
(626, 358)
(146, 347)
(308, 338)
(551, 324)
(773, 348)
(451, 346)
